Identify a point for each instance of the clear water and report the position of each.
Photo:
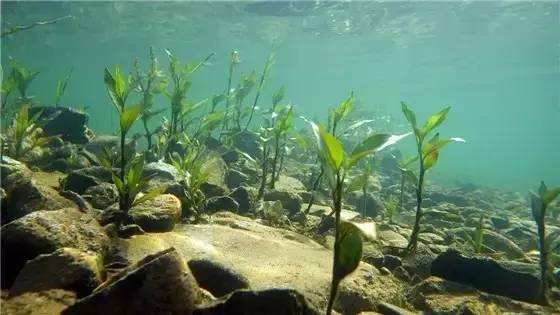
(495, 62)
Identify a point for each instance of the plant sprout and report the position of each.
(539, 204)
(428, 153)
(337, 164)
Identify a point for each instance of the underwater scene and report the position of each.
(280, 157)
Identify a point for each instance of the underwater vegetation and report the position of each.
(428, 154)
(234, 165)
(539, 204)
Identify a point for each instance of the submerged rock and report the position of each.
(270, 257)
(487, 275)
(66, 268)
(80, 180)
(440, 296)
(43, 232)
(158, 284)
(245, 197)
(248, 142)
(235, 178)
(157, 215)
(226, 203)
(216, 278)
(161, 171)
(275, 301)
(101, 196)
(24, 194)
(68, 123)
(290, 201)
(39, 303)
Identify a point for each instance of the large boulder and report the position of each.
(43, 232)
(157, 215)
(488, 275)
(274, 301)
(66, 268)
(271, 257)
(158, 284)
(371, 206)
(68, 123)
(24, 194)
(216, 277)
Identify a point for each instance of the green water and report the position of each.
(495, 63)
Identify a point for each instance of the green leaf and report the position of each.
(329, 146)
(357, 182)
(550, 195)
(434, 121)
(118, 183)
(350, 250)
(410, 176)
(344, 108)
(409, 114)
(537, 207)
(372, 144)
(278, 96)
(149, 195)
(430, 150)
(129, 116)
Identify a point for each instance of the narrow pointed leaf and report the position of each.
(550, 195)
(434, 121)
(409, 114)
(357, 183)
(149, 195)
(129, 116)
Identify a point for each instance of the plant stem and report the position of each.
(264, 174)
(364, 200)
(231, 67)
(275, 161)
(314, 189)
(414, 236)
(543, 257)
(257, 95)
(337, 207)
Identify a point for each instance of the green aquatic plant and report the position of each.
(427, 157)
(148, 85)
(260, 85)
(283, 124)
(337, 164)
(179, 75)
(61, 87)
(24, 134)
(243, 89)
(360, 182)
(476, 238)
(539, 204)
(265, 138)
(234, 60)
(129, 181)
(192, 173)
(22, 77)
(336, 115)
(392, 207)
